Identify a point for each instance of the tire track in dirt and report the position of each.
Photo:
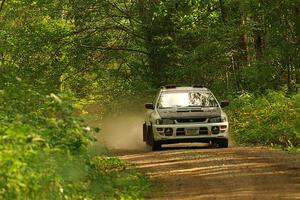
(189, 172)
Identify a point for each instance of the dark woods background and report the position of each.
(112, 49)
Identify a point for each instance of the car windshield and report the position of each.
(186, 99)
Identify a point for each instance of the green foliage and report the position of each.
(44, 151)
(113, 180)
(53, 115)
(108, 50)
(272, 119)
(56, 56)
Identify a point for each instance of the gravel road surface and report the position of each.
(198, 172)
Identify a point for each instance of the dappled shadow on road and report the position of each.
(195, 172)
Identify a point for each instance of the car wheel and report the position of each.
(149, 135)
(156, 146)
(223, 143)
(144, 132)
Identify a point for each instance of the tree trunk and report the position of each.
(297, 31)
(222, 10)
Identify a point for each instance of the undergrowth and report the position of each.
(272, 119)
(45, 152)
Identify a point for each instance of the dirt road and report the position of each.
(205, 173)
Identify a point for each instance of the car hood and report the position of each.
(189, 112)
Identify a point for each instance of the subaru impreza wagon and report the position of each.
(185, 114)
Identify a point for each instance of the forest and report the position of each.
(59, 57)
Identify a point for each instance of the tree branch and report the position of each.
(116, 49)
(2, 4)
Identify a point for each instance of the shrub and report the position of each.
(272, 119)
(44, 151)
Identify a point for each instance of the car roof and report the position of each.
(174, 89)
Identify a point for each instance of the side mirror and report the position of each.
(224, 103)
(149, 106)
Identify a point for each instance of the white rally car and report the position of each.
(185, 114)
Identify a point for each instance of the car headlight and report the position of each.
(165, 121)
(217, 119)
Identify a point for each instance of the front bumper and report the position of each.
(190, 132)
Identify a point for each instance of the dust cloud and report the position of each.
(124, 132)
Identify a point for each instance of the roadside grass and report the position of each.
(31, 170)
(272, 120)
(56, 174)
(290, 149)
(113, 179)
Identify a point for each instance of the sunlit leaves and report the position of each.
(268, 120)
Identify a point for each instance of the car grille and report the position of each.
(203, 131)
(191, 120)
(180, 132)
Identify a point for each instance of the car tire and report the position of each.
(144, 132)
(149, 135)
(156, 146)
(223, 143)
